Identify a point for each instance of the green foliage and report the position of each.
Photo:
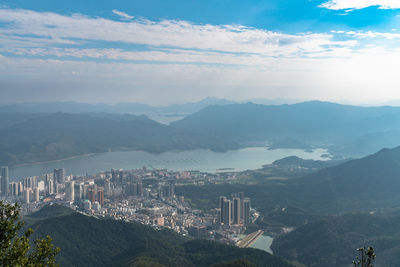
(366, 257)
(87, 241)
(56, 136)
(15, 250)
(331, 242)
(235, 263)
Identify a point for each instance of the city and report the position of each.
(145, 195)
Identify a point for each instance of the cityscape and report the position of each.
(144, 195)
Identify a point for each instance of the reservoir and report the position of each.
(202, 160)
(264, 242)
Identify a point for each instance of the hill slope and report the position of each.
(87, 241)
(60, 135)
(332, 242)
(315, 123)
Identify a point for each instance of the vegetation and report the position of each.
(88, 241)
(15, 250)
(301, 125)
(366, 258)
(331, 242)
(328, 191)
(56, 136)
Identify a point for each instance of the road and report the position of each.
(250, 239)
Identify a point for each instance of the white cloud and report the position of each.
(203, 60)
(359, 4)
(39, 27)
(123, 15)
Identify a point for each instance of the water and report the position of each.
(264, 243)
(203, 160)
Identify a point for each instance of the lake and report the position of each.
(264, 242)
(202, 160)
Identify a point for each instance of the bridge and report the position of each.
(249, 239)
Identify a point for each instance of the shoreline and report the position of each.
(55, 160)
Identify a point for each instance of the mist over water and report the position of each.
(202, 160)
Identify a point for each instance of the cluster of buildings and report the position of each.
(234, 211)
(141, 195)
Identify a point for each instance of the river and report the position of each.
(202, 160)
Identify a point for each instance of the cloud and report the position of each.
(31, 29)
(123, 15)
(93, 59)
(359, 4)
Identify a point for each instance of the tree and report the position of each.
(366, 258)
(15, 249)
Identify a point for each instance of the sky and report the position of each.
(165, 52)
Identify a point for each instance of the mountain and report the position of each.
(60, 135)
(369, 184)
(365, 184)
(132, 108)
(310, 123)
(333, 242)
(293, 161)
(88, 241)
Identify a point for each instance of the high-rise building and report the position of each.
(246, 211)
(236, 210)
(139, 189)
(91, 195)
(227, 212)
(171, 189)
(13, 189)
(4, 181)
(50, 186)
(100, 195)
(27, 195)
(78, 190)
(36, 196)
(221, 209)
(59, 175)
(107, 187)
(70, 191)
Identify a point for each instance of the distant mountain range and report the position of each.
(121, 108)
(29, 133)
(348, 130)
(44, 137)
(87, 241)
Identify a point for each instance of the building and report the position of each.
(236, 210)
(226, 212)
(221, 208)
(4, 181)
(100, 195)
(36, 196)
(59, 175)
(96, 206)
(87, 205)
(91, 193)
(27, 195)
(78, 191)
(198, 231)
(70, 191)
(246, 211)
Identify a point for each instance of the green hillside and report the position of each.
(301, 125)
(88, 241)
(56, 136)
(332, 242)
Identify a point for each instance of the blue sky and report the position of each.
(162, 52)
